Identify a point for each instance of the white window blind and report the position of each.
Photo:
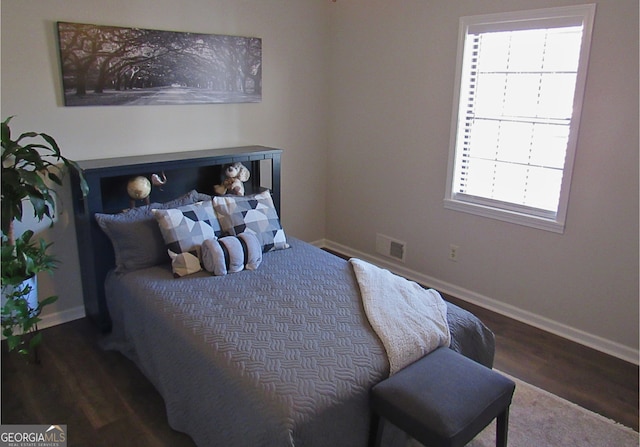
(516, 123)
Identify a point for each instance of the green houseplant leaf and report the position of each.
(30, 165)
(26, 169)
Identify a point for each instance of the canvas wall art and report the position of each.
(108, 65)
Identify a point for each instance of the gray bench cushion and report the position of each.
(443, 399)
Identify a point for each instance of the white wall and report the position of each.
(388, 68)
(392, 76)
(291, 116)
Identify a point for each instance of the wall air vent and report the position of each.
(390, 247)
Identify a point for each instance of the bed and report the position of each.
(282, 355)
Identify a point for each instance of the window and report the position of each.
(520, 80)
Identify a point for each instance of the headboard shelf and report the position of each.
(177, 158)
(107, 179)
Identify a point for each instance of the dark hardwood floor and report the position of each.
(584, 376)
(101, 396)
(106, 401)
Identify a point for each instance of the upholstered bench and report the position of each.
(444, 400)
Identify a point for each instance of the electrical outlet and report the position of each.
(454, 251)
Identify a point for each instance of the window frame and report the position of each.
(504, 211)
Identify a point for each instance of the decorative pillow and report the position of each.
(185, 228)
(254, 213)
(231, 254)
(184, 264)
(135, 236)
(199, 197)
(192, 196)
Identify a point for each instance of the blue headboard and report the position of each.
(107, 180)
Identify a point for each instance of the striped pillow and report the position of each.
(231, 254)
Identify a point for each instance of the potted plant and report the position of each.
(30, 165)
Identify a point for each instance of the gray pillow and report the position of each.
(135, 235)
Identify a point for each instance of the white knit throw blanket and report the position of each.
(411, 321)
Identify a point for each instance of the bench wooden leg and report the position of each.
(502, 428)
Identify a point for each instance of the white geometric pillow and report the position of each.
(184, 229)
(255, 213)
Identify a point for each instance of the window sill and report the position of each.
(505, 215)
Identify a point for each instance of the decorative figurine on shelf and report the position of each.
(139, 188)
(236, 174)
(158, 180)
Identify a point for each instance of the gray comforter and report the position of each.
(280, 356)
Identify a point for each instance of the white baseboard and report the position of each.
(57, 318)
(64, 316)
(592, 341)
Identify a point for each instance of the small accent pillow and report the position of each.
(184, 264)
(231, 254)
(135, 236)
(254, 213)
(184, 229)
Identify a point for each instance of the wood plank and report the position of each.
(105, 400)
(589, 378)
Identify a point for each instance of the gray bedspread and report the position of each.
(280, 356)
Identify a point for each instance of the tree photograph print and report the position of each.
(107, 65)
